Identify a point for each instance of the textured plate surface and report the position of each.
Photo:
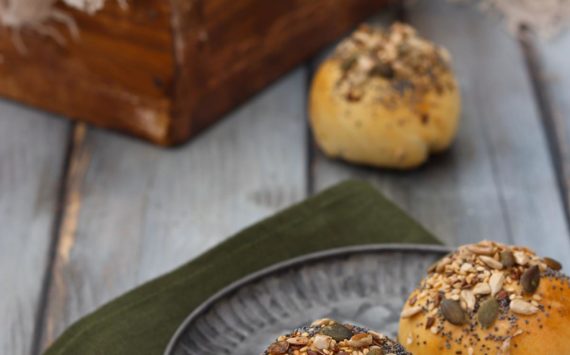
(365, 285)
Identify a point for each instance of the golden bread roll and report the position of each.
(326, 336)
(489, 298)
(386, 99)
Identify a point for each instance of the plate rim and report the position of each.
(310, 257)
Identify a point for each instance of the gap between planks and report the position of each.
(537, 75)
(65, 225)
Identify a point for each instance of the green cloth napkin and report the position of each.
(143, 320)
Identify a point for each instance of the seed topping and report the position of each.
(480, 285)
(326, 336)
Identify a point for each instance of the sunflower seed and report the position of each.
(490, 262)
(441, 265)
(322, 341)
(466, 267)
(496, 282)
(410, 312)
(481, 249)
(521, 258)
(452, 312)
(360, 340)
(553, 264)
(530, 279)
(522, 307)
(488, 312)
(469, 298)
(482, 288)
(298, 341)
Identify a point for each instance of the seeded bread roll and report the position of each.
(489, 298)
(326, 336)
(386, 99)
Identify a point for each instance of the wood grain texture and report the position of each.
(117, 74)
(32, 151)
(165, 70)
(228, 50)
(144, 210)
(497, 181)
(553, 83)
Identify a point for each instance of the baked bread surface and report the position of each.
(387, 99)
(507, 317)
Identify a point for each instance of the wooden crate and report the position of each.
(164, 70)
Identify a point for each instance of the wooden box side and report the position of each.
(227, 50)
(118, 74)
(165, 70)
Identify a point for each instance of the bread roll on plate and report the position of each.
(489, 298)
(326, 336)
(386, 99)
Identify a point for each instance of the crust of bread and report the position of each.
(547, 332)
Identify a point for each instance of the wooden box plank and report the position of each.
(165, 70)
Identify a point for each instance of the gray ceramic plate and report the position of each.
(364, 285)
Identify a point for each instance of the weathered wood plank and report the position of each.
(145, 210)
(32, 154)
(497, 181)
(553, 82)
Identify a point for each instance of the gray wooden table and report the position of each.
(86, 214)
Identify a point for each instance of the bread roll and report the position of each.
(329, 337)
(386, 99)
(489, 298)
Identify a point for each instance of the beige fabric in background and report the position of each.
(546, 17)
(40, 15)
(33, 13)
(36, 13)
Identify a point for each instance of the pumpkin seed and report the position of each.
(553, 264)
(508, 258)
(336, 331)
(452, 312)
(376, 351)
(349, 62)
(488, 312)
(383, 70)
(530, 279)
